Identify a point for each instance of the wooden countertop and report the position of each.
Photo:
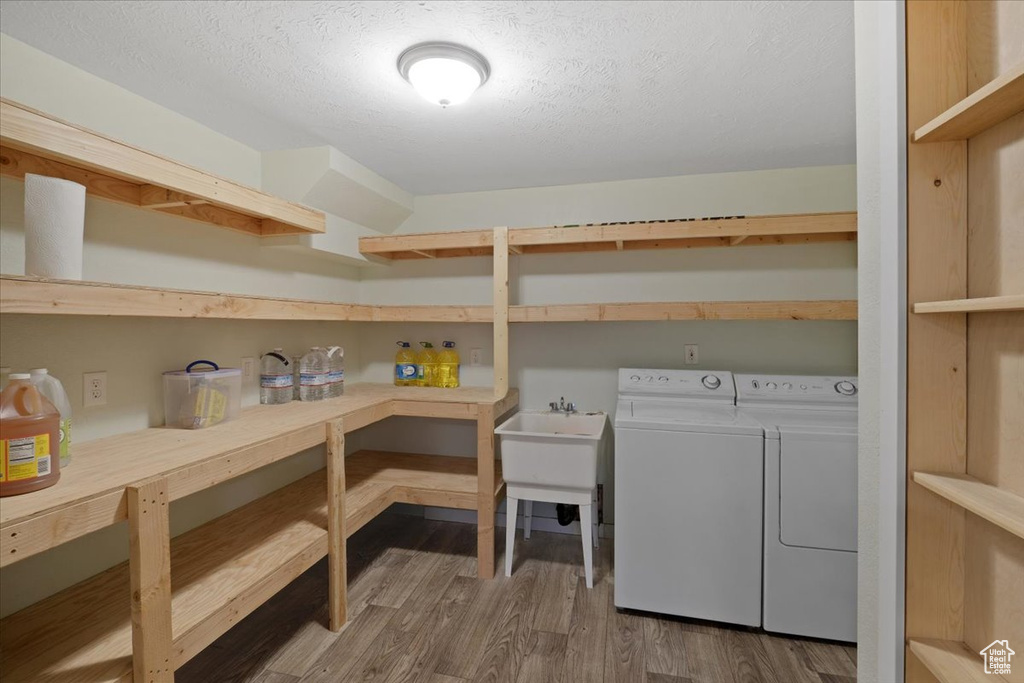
(93, 485)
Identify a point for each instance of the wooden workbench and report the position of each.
(129, 621)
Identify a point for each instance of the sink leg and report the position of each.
(586, 530)
(511, 512)
(527, 517)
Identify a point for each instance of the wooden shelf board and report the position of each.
(221, 571)
(90, 494)
(952, 662)
(687, 310)
(28, 295)
(34, 142)
(224, 569)
(1010, 302)
(668, 234)
(1001, 507)
(61, 297)
(990, 104)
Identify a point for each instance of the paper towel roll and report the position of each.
(54, 227)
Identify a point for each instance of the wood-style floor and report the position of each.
(418, 613)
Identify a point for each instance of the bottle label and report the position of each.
(276, 381)
(313, 379)
(25, 458)
(336, 376)
(407, 371)
(65, 439)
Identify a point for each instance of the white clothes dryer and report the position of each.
(810, 501)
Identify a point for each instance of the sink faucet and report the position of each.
(563, 407)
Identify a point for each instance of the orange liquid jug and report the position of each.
(29, 439)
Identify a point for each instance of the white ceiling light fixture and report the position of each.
(444, 73)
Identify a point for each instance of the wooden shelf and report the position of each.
(221, 572)
(34, 142)
(376, 479)
(64, 297)
(1010, 302)
(687, 310)
(985, 107)
(91, 494)
(666, 234)
(952, 662)
(1001, 507)
(224, 569)
(61, 297)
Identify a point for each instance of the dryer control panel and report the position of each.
(691, 384)
(809, 389)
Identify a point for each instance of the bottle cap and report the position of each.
(19, 375)
(448, 344)
(403, 344)
(38, 371)
(427, 345)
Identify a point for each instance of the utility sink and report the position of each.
(551, 449)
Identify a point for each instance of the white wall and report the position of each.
(580, 360)
(130, 246)
(881, 206)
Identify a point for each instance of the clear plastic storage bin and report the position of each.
(203, 397)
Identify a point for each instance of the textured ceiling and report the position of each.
(579, 91)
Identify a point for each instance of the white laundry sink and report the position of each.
(551, 450)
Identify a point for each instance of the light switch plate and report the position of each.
(475, 357)
(248, 367)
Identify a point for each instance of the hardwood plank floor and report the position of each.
(417, 614)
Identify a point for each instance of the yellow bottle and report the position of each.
(406, 370)
(448, 366)
(427, 360)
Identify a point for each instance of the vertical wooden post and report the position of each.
(336, 535)
(936, 344)
(500, 312)
(485, 490)
(149, 545)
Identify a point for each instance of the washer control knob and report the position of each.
(711, 382)
(804, 387)
(772, 385)
(846, 388)
(787, 385)
(663, 379)
(634, 378)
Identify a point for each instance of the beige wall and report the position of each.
(580, 360)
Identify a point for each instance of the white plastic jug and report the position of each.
(51, 387)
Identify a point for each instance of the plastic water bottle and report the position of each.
(50, 387)
(406, 370)
(296, 377)
(313, 375)
(448, 366)
(336, 366)
(276, 378)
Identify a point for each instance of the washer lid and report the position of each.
(685, 417)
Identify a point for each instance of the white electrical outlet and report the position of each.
(248, 367)
(95, 389)
(475, 357)
(691, 354)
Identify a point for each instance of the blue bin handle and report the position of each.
(201, 362)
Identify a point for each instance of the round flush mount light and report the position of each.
(444, 73)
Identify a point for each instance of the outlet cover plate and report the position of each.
(94, 389)
(692, 354)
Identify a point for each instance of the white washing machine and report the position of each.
(689, 483)
(810, 501)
